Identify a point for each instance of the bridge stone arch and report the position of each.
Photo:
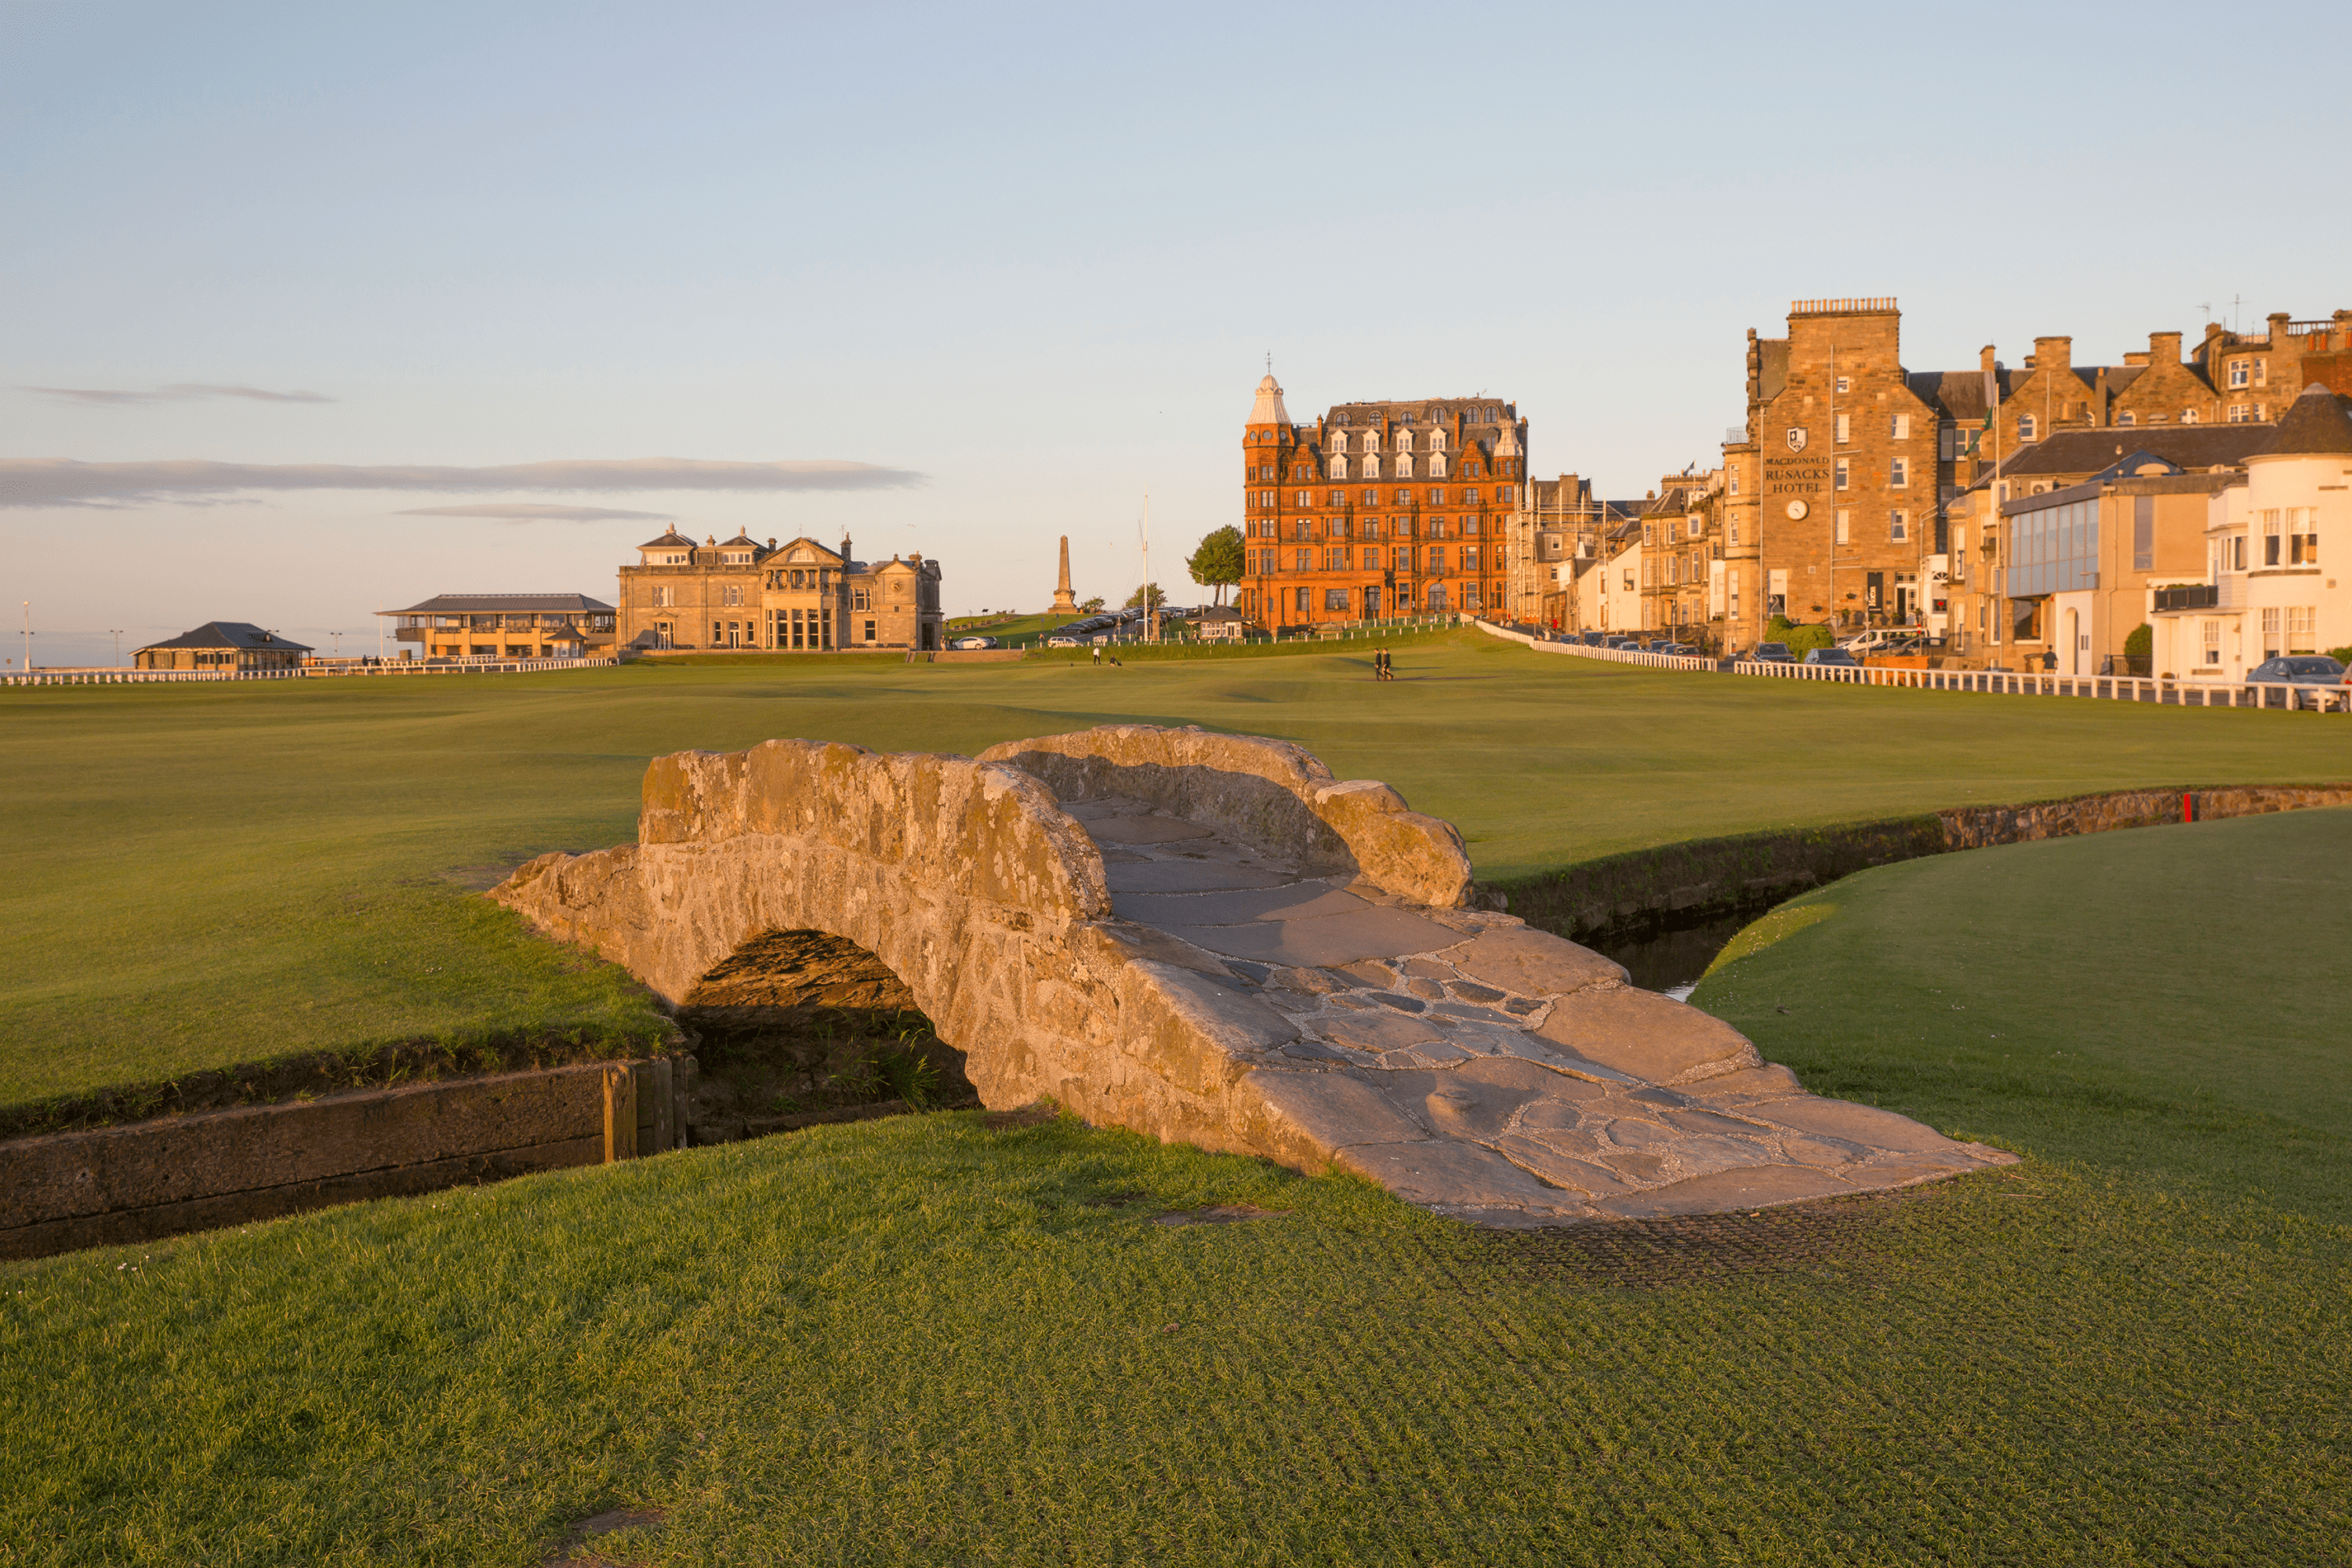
(1211, 939)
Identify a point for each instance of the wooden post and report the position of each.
(664, 1108)
(620, 1113)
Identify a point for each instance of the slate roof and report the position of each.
(673, 540)
(2085, 452)
(2316, 425)
(503, 604)
(240, 635)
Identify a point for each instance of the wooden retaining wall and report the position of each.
(144, 1180)
(1676, 885)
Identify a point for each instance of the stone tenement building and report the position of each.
(1835, 492)
(1378, 509)
(800, 597)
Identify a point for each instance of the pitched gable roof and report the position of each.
(673, 540)
(504, 604)
(243, 636)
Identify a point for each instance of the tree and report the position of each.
(1135, 600)
(1220, 560)
(1091, 606)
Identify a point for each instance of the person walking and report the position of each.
(1097, 655)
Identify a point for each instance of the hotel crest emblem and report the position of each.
(1796, 438)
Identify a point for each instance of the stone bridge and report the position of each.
(1209, 939)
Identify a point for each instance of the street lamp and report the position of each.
(116, 633)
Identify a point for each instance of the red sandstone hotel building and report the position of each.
(1377, 509)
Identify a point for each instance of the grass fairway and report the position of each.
(924, 1340)
(209, 874)
(2170, 1000)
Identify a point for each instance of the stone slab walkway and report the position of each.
(1486, 1070)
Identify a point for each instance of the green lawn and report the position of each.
(922, 1341)
(2171, 1001)
(208, 874)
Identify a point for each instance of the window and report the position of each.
(1335, 559)
(1437, 498)
(1844, 386)
(2127, 417)
(2303, 549)
(1898, 527)
(2270, 539)
(1300, 559)
(2270, 631)
(1735, 481)
(1340, 498)
(1298, 600)
(2212, 642)
(1404, 498)
(1437, 559)
(2188, 416)
(2143, 533)
(662, 600)
(1335, 599)
(2025, 428)
(2240, 414)
(1305, 499)
(2262, 373)
(1898, 473)
(732, 593)
(1469, 558)
(1843, 479)
(1844, 426)
(1371, 526)
(1844, 526)
(2299, 621)
(1629, 579)
(2239, 372)
(1903, 426)
(1734, 532)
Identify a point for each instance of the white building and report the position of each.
(2277, 545)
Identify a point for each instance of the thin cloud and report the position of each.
(61, 481)
(533, 512)
(179, 391)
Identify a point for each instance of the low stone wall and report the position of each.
(144, 1180)
(980, 655)
(1678, 884)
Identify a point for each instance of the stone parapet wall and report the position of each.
(1258, 791)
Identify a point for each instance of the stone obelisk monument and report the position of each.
(1064, 600)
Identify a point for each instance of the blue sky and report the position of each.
(1024, 263)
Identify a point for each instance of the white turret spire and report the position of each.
(1268, 409)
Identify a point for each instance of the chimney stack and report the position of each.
(2053, 354)
(2164, 347)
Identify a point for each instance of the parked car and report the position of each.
(2302, 669)
(1618, 642)
(1061, 642)
(1595, 639)
(973, 642)
(1771, 653)
(1832, 656)
(1682, 649)
(1657, 645)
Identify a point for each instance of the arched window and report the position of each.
(1437, 416)
(2188, 416)
(2127, 417)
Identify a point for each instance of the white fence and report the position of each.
(394, 666)
(2013, 683)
